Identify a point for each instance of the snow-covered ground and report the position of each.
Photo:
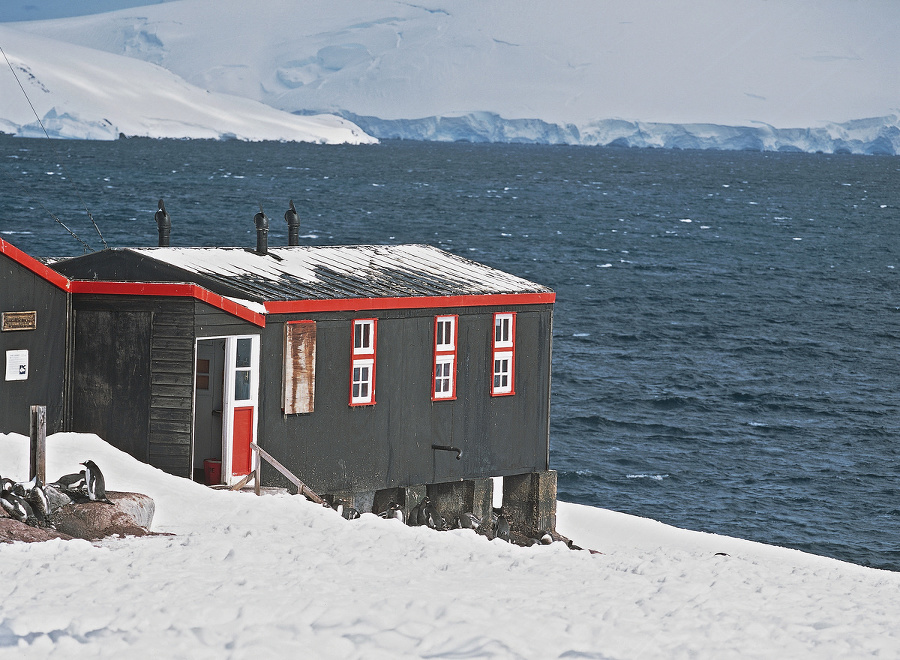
(276, 576)
(742, 74)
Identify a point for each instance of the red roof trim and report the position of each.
(34, 265)
(412, 302)
(272, 307)
(168, 289)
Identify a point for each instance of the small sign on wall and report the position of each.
(17, 365)
(10, 321)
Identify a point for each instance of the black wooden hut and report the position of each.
(368, 371)
(34, 341)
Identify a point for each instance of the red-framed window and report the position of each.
(443, 384)
(362, 362)
(504, 354)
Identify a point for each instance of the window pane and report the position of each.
(362, 334)
(243, 352)
(241, 385)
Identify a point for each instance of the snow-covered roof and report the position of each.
(339, 272)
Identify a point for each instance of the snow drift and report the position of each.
(747, 74)
(274, 576)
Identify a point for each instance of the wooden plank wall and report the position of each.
(171, 387)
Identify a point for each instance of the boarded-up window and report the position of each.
(299, 367)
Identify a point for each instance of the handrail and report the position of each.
(302, 488)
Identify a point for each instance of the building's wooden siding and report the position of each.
(133, 376)
(22, 290)
(338, 447)
(111, 376)
(171, 387)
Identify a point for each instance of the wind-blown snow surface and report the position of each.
(277, 576)
(80, 92)
(743, 74)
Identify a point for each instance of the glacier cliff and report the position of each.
(878, 135)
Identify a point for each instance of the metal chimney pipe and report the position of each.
(293, 223)
(164, 224)
(262, 231)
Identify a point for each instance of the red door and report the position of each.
(243, 436)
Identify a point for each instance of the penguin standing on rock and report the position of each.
(37, 498)
(94, 482)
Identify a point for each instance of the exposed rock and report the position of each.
(129, 514)
(13, 530)
(56, 498)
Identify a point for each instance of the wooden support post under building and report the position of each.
(38, 464)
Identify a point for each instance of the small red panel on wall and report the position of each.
(243, 436)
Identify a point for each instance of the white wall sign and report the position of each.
(17, 365)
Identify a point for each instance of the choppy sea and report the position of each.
(726, 349)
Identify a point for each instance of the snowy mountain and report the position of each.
(746, 74)
(89, 94)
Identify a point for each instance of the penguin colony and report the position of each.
(426, 514)
(34, 503)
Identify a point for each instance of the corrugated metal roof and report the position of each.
(333, 272)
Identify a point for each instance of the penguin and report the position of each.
(501, 531)
(346, 512)
(433, 519)
(94, 482)
(37, 498)
(468, 521)
(413, 519)
(70, 481)
(18, 508)
(6, 484)
(394, 511)
(545, 538)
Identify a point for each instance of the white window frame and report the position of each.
(504, 349)
(500, 358)
(504, 325)
(363, 342)
(366, 382)
(448, 379)
(445, 328)
(364, 347)
(440, 323)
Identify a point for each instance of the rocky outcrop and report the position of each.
(126, 514)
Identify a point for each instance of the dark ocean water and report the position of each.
(726, 330)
